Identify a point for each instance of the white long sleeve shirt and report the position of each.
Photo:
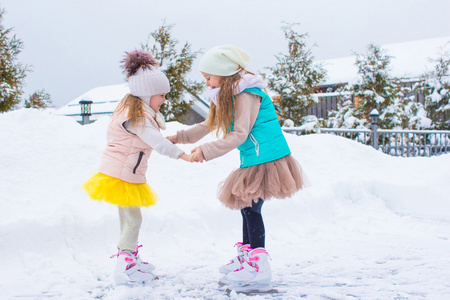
(153, 137)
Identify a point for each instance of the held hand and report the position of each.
(186, 157)
(198, 154)
(173, 138)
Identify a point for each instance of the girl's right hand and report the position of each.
(187, 157)
(173, 138)
(198, 155)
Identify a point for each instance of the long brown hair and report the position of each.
(135, 108)
(220, 116)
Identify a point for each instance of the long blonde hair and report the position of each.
(136, 110)
(220, 116)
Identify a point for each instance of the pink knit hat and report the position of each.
(145, 79)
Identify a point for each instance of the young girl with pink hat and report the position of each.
(133, 132)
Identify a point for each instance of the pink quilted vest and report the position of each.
(126, 155)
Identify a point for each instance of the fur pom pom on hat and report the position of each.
(145, 79)
(225, 60)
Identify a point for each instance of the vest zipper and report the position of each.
(255, 142)
(141, 154)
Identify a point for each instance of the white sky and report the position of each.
(76, 45)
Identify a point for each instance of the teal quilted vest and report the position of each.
(265, 141)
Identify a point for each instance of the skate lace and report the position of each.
(237, 270)
(250, 266)
(130, 258)
(130, 266)
(256, 267)
(246, 248)
(255, 258)
(124, 253)
(137, 250)
(137, 256)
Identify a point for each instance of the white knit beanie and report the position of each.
(148, 82)
(225, 60)
(145, 79)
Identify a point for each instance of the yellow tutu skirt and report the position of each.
(102, 187)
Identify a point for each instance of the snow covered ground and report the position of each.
(371, 226)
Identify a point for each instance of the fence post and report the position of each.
(374, 114)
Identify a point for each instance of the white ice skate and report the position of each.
(127, 271)
(143, 266)
(255, 273)
(235, 263)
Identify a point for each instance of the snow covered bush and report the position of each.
(345, 117)
(310, 124)
(288, 123)
(435, 86)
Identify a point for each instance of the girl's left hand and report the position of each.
(173, 138)
(198, 154)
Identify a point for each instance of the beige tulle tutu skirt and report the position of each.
(276, 179)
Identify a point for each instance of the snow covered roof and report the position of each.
(409, 60)
(105, 100)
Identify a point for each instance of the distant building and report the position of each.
(409, 61)
(106, 98)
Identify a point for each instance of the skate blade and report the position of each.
(248, 288)
(133, 283)
(139, 283)
(224, 281)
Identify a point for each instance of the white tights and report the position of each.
(130, 224)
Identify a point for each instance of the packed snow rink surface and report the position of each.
(370, 226)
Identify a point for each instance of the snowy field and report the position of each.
(371, 226)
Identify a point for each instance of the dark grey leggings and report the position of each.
(253, 231)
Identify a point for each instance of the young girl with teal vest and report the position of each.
(243, 115)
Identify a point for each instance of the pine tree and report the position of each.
(295, 77)
(39, 99)
(12, 72)
(176, 65)
(435, 86)
(376, 88)
(416, 116)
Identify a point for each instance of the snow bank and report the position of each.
(370, 226)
